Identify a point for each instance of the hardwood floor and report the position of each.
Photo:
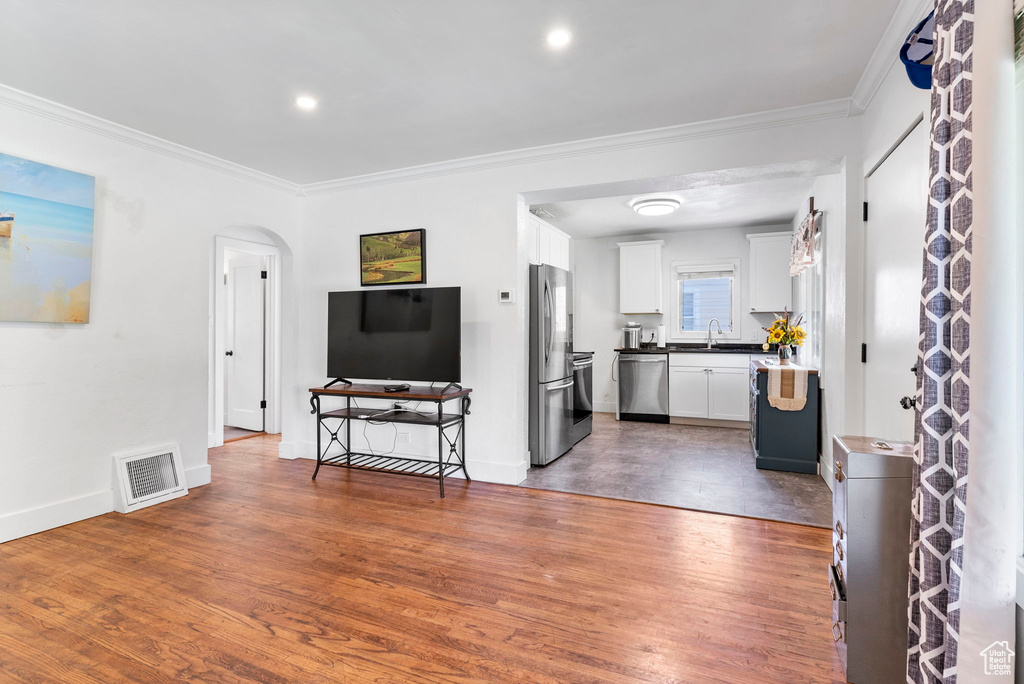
(267, 576)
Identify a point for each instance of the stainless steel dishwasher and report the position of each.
(643, 387)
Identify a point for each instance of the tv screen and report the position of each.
(408, 334)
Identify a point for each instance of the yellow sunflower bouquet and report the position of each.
(784, 331)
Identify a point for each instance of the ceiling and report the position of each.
(408, 82)
(753, 196)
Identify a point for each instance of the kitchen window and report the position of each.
(701, 292)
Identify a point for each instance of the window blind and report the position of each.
(703, 296)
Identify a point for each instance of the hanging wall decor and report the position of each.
(397, 258)
(46, 227)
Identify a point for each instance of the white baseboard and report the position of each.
(604, 406)
(198, 476)
(825, 470)
(499, 473)
(24, 523)
(293, 450)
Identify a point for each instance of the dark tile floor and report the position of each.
(702, 468)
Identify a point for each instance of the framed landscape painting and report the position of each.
(46, 226)
(397, 258)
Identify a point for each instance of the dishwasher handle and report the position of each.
(644, 358)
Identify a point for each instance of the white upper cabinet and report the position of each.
(641, 286)
(771, 287)
(547, 244)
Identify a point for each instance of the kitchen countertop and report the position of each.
(727, 348)
(762, 367)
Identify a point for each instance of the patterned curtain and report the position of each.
(943, 376)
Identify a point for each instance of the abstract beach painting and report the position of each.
(46, 228)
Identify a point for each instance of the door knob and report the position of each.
(229, 353)
(908, 402)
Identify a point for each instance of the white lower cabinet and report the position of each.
(714, 386)
(688, 392)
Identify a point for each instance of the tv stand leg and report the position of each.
(336, 381)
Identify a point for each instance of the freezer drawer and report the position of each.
(643, 387)
(554, 435)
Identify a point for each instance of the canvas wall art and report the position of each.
(46, 228)
(393, 258)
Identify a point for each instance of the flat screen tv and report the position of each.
(406, 334)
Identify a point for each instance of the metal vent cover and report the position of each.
(148, 478)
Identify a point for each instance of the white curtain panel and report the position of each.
(965, 528)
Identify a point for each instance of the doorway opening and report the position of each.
(645, 332)
(246, 339)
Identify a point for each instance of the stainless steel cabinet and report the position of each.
(870, 546)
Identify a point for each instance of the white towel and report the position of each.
(787, 387)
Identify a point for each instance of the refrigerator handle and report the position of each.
(615, 366)
(549, 320)
(564, 385)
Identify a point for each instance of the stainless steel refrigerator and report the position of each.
(551, 369)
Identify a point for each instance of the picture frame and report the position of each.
(47, 221)
(398, 257)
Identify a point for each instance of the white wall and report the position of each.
(136, 375)
(598, 323)
(830, 198)
(473, 241)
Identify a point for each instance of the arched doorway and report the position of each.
(250, 270)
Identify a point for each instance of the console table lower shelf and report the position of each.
(451, 431)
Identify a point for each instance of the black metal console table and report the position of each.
(444, 422)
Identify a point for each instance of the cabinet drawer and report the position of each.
(837, 588)
(698, 360)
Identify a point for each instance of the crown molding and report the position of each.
(907, 14)
(33, 104)
(831, 109)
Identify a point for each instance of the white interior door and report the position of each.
(244, 342)
(897, 195)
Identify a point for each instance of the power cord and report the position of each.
(366, 421)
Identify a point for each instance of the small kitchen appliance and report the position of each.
(631, 335)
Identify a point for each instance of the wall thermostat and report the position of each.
(507, 296)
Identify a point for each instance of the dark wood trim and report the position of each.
(415, 393)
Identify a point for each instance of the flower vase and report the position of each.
(785, 354)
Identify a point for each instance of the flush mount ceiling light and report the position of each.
(559, 38)
(655, 206)
(305, 103)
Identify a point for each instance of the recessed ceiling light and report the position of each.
(655, 206)
(305, 102)
(559, 38)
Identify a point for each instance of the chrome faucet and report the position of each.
(715, 321)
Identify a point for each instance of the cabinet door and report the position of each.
(729, 394)
(543, 245)
(640, 284)
(560, 251)
(771, 287)
(688, 392)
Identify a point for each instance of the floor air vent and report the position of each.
(148, 478)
